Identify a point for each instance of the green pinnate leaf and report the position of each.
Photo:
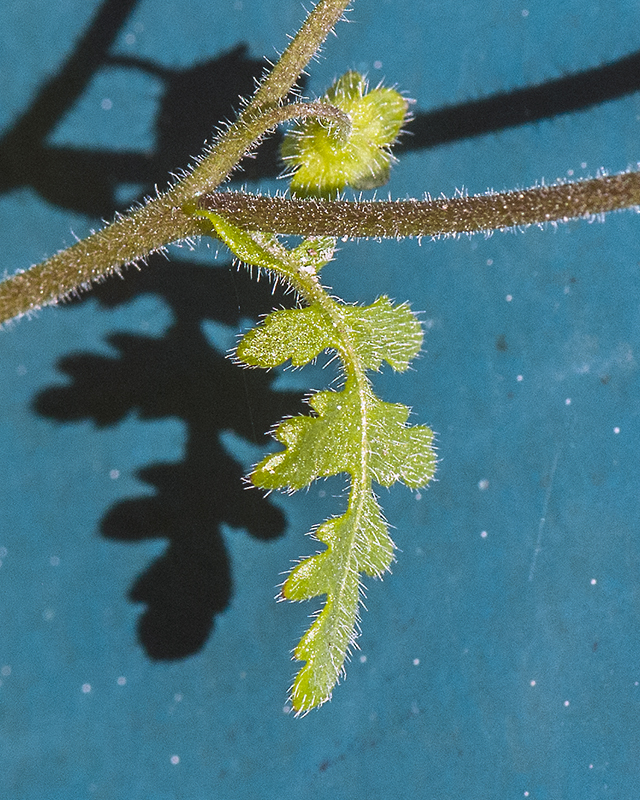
(379, 332)
(349, 431)
(356, 542)
(325, 161)
(352, 427)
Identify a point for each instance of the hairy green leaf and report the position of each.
(379, 332)
(325, 161)
(349, 431)
(351, 426)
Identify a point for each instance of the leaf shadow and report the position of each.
(180, 375)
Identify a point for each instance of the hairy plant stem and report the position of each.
(397, 218)
(162, 220)
(170, 216)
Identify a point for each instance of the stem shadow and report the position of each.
(568, 94)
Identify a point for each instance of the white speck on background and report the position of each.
(566, 703)
(106, 104)
(54, 561)
(593, 581)
(483, 484)
(114, 474)
(532, 683)
(5, 671)
(121, 681)
(483, 534)
(616, 429)
(86, 688)
(175, 760)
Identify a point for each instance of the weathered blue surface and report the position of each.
(502, 657)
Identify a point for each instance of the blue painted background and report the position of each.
(141, 653)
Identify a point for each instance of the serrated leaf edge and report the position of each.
(300, 268)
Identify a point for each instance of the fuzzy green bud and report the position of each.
(325, 159)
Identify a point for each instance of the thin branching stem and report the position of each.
(162, 220)
(169, 217)
(441, 217)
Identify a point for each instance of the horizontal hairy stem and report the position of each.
(398, 218)
(162, 220)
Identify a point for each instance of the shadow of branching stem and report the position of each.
(86, 180)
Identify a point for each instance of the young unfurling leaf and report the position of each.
(325, 161)
(350, 431)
